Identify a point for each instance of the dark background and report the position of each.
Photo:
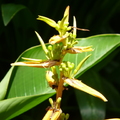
(99, 16)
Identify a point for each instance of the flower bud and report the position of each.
(67, 116)
(50, 47)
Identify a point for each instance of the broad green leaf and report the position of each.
(91, 108)
(10, 108)
(103, 45)
(4, 84)
(27, 81)
(9, 11)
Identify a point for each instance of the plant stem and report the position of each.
(60, 88)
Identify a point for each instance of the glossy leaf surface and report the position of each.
(28, 81)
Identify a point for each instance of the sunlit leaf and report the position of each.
(102, 44)
(4, 84)
(27, 81)
(15, 106)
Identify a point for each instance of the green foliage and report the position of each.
(26, 81)
(23, 88)
(9, 11)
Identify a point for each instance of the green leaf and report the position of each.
(26, 84)
(4, 84)
(103, 45)
(91, 108)
(28, 81)
(10, 108)
(9, 11)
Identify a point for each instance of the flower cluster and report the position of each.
(63, 43)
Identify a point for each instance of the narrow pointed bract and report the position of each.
(79, 66)
(74, 27)
(49, 21)
(66, 13)
(33, 60)
(45, 64)
(83, 87)
(42, 43)
(75, 50)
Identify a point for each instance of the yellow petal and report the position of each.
(45, 64)
(83, 87)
